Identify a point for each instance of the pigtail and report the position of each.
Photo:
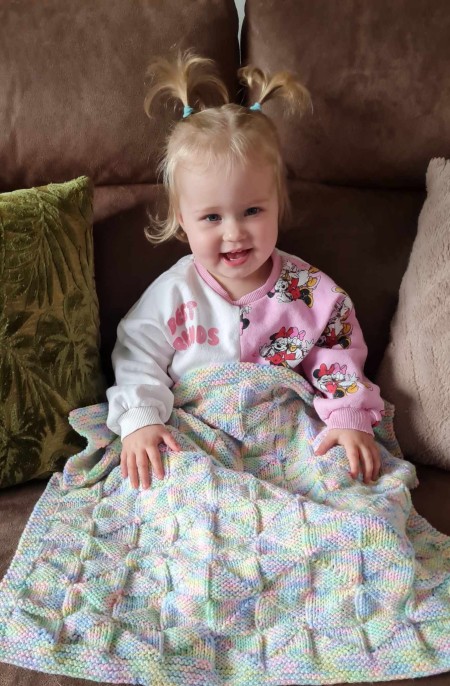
(282, 84)
(192, 79)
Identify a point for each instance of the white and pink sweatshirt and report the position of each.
(298, 319)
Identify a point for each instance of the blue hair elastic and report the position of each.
(255, 106)
(187, 111)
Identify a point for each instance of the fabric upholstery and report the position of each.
(49, 357)
(414, 370)
(376, 72)
(72, 79)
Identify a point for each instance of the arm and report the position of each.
(346, 401)
(141, 401)
(141, 357)
(334, 366)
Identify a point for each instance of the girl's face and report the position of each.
(231, 221)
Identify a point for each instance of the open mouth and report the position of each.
(236, 256)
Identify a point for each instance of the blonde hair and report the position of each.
(226, 133)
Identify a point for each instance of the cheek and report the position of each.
(208, 244)
(199, 243)
(272, 228)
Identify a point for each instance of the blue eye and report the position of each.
(252, 211)
(212, 217)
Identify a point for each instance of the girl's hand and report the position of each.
(140, 447)
(360, 448)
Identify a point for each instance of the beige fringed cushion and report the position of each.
(414, 374)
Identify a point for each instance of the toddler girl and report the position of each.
(236, 298)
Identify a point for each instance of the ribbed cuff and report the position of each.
(136, 418)
(350, 418)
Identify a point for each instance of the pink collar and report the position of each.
(249, 297)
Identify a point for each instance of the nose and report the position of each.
(233, 230)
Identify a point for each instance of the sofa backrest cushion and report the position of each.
(72, 83)
(378, 74)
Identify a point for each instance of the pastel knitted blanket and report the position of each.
(253, 562)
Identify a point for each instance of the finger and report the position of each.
(353, 459)
(367, 464)
(123, 464)
(376, 462)
(143, 468)
(325, 445)
(132, 470)
(170, 441)
(156, 463)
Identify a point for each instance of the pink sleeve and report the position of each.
(334, 366)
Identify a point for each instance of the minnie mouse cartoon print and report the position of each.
(287, 347)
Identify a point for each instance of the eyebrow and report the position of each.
(215, 208)
(205, 210)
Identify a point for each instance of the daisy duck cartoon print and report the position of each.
(333, 378)
(338, 330)
(296, 284)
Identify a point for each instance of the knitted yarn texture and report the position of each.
(252, 563)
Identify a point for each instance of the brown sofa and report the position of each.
(72, 84)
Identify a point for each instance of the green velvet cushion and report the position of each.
(49, 328)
